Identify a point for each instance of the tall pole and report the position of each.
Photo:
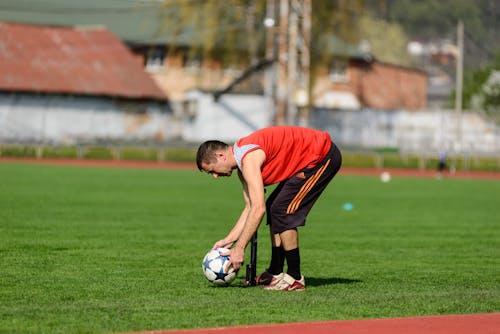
(282, 91)
(293, 56)
(271, 82)
(289, 43)
(304, 89)
(459, 84)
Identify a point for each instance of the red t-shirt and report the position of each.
(288, 149)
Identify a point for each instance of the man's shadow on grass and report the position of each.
(319, 281)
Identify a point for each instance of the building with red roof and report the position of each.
(73, 84)
(65, 60)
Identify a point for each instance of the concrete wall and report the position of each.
(423, 131)
(231, 117)
(68, 119)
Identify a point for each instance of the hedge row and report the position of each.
(350, 159)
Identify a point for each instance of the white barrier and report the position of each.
(68, 120)
(410, 131)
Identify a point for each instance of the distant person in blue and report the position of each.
(442, 161)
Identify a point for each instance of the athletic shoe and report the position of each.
(270, 279)
(265, 278)
(287, 283)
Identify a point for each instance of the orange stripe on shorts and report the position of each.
(304, 190)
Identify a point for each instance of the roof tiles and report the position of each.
(88, 61)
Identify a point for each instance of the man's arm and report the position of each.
(253, 186)
(235, 232)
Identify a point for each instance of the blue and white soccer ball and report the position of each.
(216, 267)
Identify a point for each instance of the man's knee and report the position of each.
(289, 239)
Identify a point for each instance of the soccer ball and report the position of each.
(385, 177)
(215, 267)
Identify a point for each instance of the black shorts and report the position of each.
(290, 203)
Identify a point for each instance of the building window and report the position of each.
(155, 58)
(337, 71)
(192, 65)
(190, 109)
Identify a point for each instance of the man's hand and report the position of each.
(236, 257)
(223, 244)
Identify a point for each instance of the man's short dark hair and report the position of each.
(206, 152)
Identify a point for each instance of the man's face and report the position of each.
(219, 168)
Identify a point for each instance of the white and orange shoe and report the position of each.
(286, 283)
(266, 278)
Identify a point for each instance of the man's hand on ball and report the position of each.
(223, 244)
(236, 257)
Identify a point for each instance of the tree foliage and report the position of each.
(431, 20)
(482, 88)
(234, 29)
(229, 27)
(339, 17)
(389, 46)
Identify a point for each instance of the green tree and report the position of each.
(389, 46)
(339, 17)
(234, 29)
(481, 89)
(430, 19)
(230, 28)
(491, 93)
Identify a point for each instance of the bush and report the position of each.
(359, 160)
(130, 153)
(180, 154)
(98, 153)
(18, 151)
(60, 152)
(380, 159)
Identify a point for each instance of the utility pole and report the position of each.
(288, 40)
(459, 84)
(270, 82)
(282, 105)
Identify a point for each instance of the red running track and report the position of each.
(192, 165)
(486, 323)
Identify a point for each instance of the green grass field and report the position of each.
(100, 250)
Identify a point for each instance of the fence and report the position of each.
(71, 121)
(420, 131)
(185, 152)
